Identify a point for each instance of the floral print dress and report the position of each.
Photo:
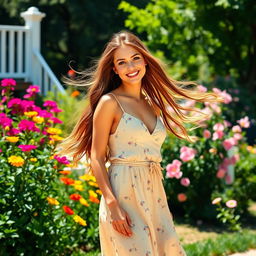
(136, 177)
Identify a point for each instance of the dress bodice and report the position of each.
(132, 140)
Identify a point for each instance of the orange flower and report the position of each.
(67, 210)
(94, 199)
(75, 94)
(182, 197)
(65, 172)
(67, 181)
(75, 197)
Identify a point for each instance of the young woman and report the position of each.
(125, 123)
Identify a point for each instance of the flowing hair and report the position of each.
(162, 90)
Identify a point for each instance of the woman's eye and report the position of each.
(121, 62)
(136, 58)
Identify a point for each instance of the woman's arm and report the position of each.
(102, 121)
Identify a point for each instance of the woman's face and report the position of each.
(129, 64)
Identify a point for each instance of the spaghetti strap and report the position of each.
(117, 101)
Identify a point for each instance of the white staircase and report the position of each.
(20, 56)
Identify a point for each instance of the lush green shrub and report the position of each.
(202, 171)
(41, 212)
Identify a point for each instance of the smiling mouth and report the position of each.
(131, 75)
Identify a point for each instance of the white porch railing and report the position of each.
(20, 53)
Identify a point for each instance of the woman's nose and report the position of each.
(130, 64)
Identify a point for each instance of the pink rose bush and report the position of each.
(196, 172)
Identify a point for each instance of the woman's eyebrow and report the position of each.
(131, 56)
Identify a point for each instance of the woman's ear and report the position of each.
(115, 70)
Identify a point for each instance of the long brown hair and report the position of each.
(161, 89)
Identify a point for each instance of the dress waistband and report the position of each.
(154, 167)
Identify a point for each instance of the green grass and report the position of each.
(224, 244)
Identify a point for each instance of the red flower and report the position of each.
(67, 181)
(67, 210)
(71, 73)
(75, 197)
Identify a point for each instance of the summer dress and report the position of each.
(135, 176)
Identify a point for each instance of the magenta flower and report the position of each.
(13, 102)
(61, 160)
(13, 132)
(187, 153)
(56, 120)
(26, 148)
(185, 182)
(8, 82)
(231, 203)
(244, 122)
(5, 121)
(32, 91)
(49, 103)
(56, 110)
(173, 169)
(229, 143)
(45, 114)
(26, 125)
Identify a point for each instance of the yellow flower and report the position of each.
(6, 128)
(16, 161)
(51, 142)
(92, 193)
(78, 182)
(12, 139)
(99, 191)
(79, 187)
(94, 184)
(52, 201)
(87, 177)
(33, 159)
(84, 202)
(38, 119)
(54, 131)
(30, 113)
(56, 137)
(79, 220)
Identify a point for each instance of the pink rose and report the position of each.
(231, 203)
(173, 169)
(187, 153)
(229, 143)
(206, 134)
(185, 182)
(244, 122)
(221, 173)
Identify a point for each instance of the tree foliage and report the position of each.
(217, 34)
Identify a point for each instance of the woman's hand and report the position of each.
(120, 220)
